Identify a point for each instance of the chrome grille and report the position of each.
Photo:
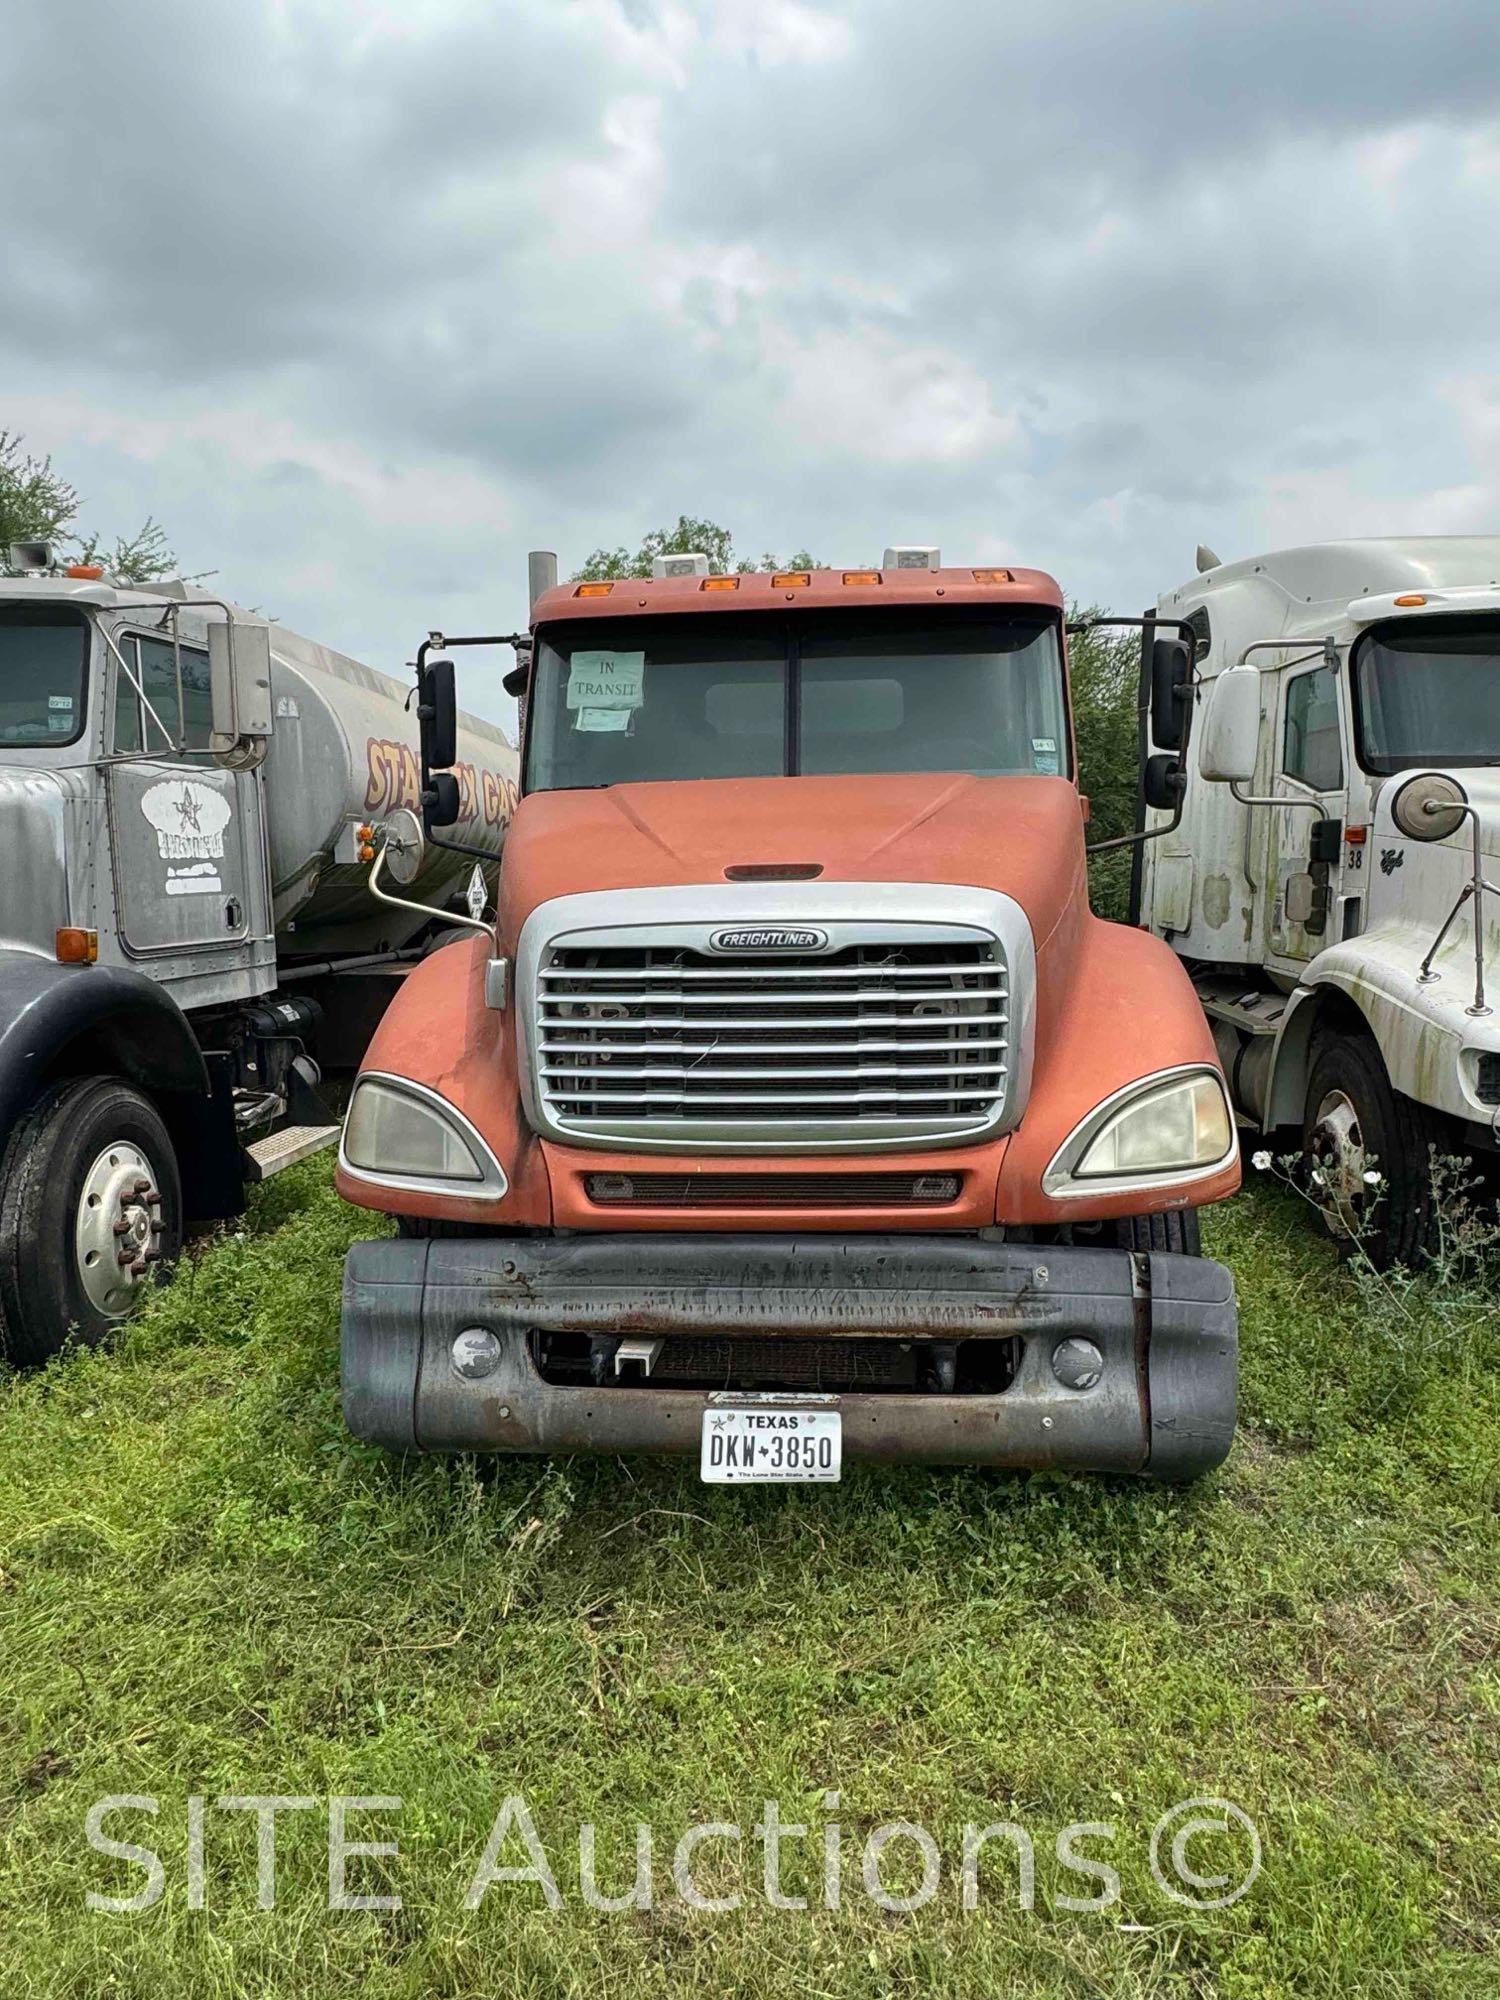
(910, 1038)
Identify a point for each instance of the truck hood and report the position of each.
(33, 839)
(1022, 835)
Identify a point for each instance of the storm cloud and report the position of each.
(362, 303)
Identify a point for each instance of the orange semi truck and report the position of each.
(796, 1108)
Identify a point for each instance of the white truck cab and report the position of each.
(1324, 876)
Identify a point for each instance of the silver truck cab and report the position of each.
(116, 812)
(187, 929)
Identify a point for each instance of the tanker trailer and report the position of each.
(189, 944)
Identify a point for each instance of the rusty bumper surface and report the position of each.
(1163, 1403)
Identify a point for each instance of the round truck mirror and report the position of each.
(404, 844)
(1429, 806)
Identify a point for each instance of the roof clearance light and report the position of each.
(1411, 598)
(84, 572)
(720, 583)
(861, 576)
(791, 579)
(992, 576)
(593, 590)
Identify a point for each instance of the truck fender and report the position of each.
(1291, 1058)
(439, 1030)
(1372, 984)
(1128, 1010)
(104, 1020)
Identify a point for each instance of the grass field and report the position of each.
(209, 1589)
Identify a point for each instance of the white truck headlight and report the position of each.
(1176, 1125)
(402, 1134)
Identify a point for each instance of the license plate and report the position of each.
(742, 1446)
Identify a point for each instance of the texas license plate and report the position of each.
(772, 1443)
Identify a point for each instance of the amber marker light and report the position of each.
(992, 576)
(76, 947)
(84, 572)
(1411, 599)
(593, 590)
(793, 579)
(861, 576)
(720, 583)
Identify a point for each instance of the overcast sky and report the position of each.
(362, 302)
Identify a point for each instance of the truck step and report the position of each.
(1257, 1011)
(285, 1148)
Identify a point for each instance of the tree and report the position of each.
(1104, 669)
(38, 505)
(691, 535)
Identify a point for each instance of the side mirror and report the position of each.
(1429, 807)
(440, 800)
(1171, 693)
(403, 845)
(1163, 782)
(239, 675)
(437, 717)
(1230, 742)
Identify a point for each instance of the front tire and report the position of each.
(1355, 1124)
(90, 1215)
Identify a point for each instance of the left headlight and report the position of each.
(399, 1132)
(1176, 1126)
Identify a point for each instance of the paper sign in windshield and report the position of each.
(605, 688)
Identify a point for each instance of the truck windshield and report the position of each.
(1428, 693)
(727, 696)
(43, 659)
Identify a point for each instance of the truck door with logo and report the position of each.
(185, 835)
(1306, 833)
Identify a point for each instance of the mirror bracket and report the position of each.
(1245, 799)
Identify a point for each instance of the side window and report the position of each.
(154, 664)
(1310, 749)
(127, 707)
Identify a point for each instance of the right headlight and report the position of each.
(402, 1133)
(1161, 1130)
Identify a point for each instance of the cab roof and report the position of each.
(755, 590)
(1336, 572)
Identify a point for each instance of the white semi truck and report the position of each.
(187, 933)
(1323, 872)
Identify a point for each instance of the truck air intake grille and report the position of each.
(870, 1040)
(772, 1190)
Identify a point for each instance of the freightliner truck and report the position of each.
(186, 929)
(1323, 873)
(797, 1108)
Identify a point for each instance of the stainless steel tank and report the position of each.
(343, 751)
